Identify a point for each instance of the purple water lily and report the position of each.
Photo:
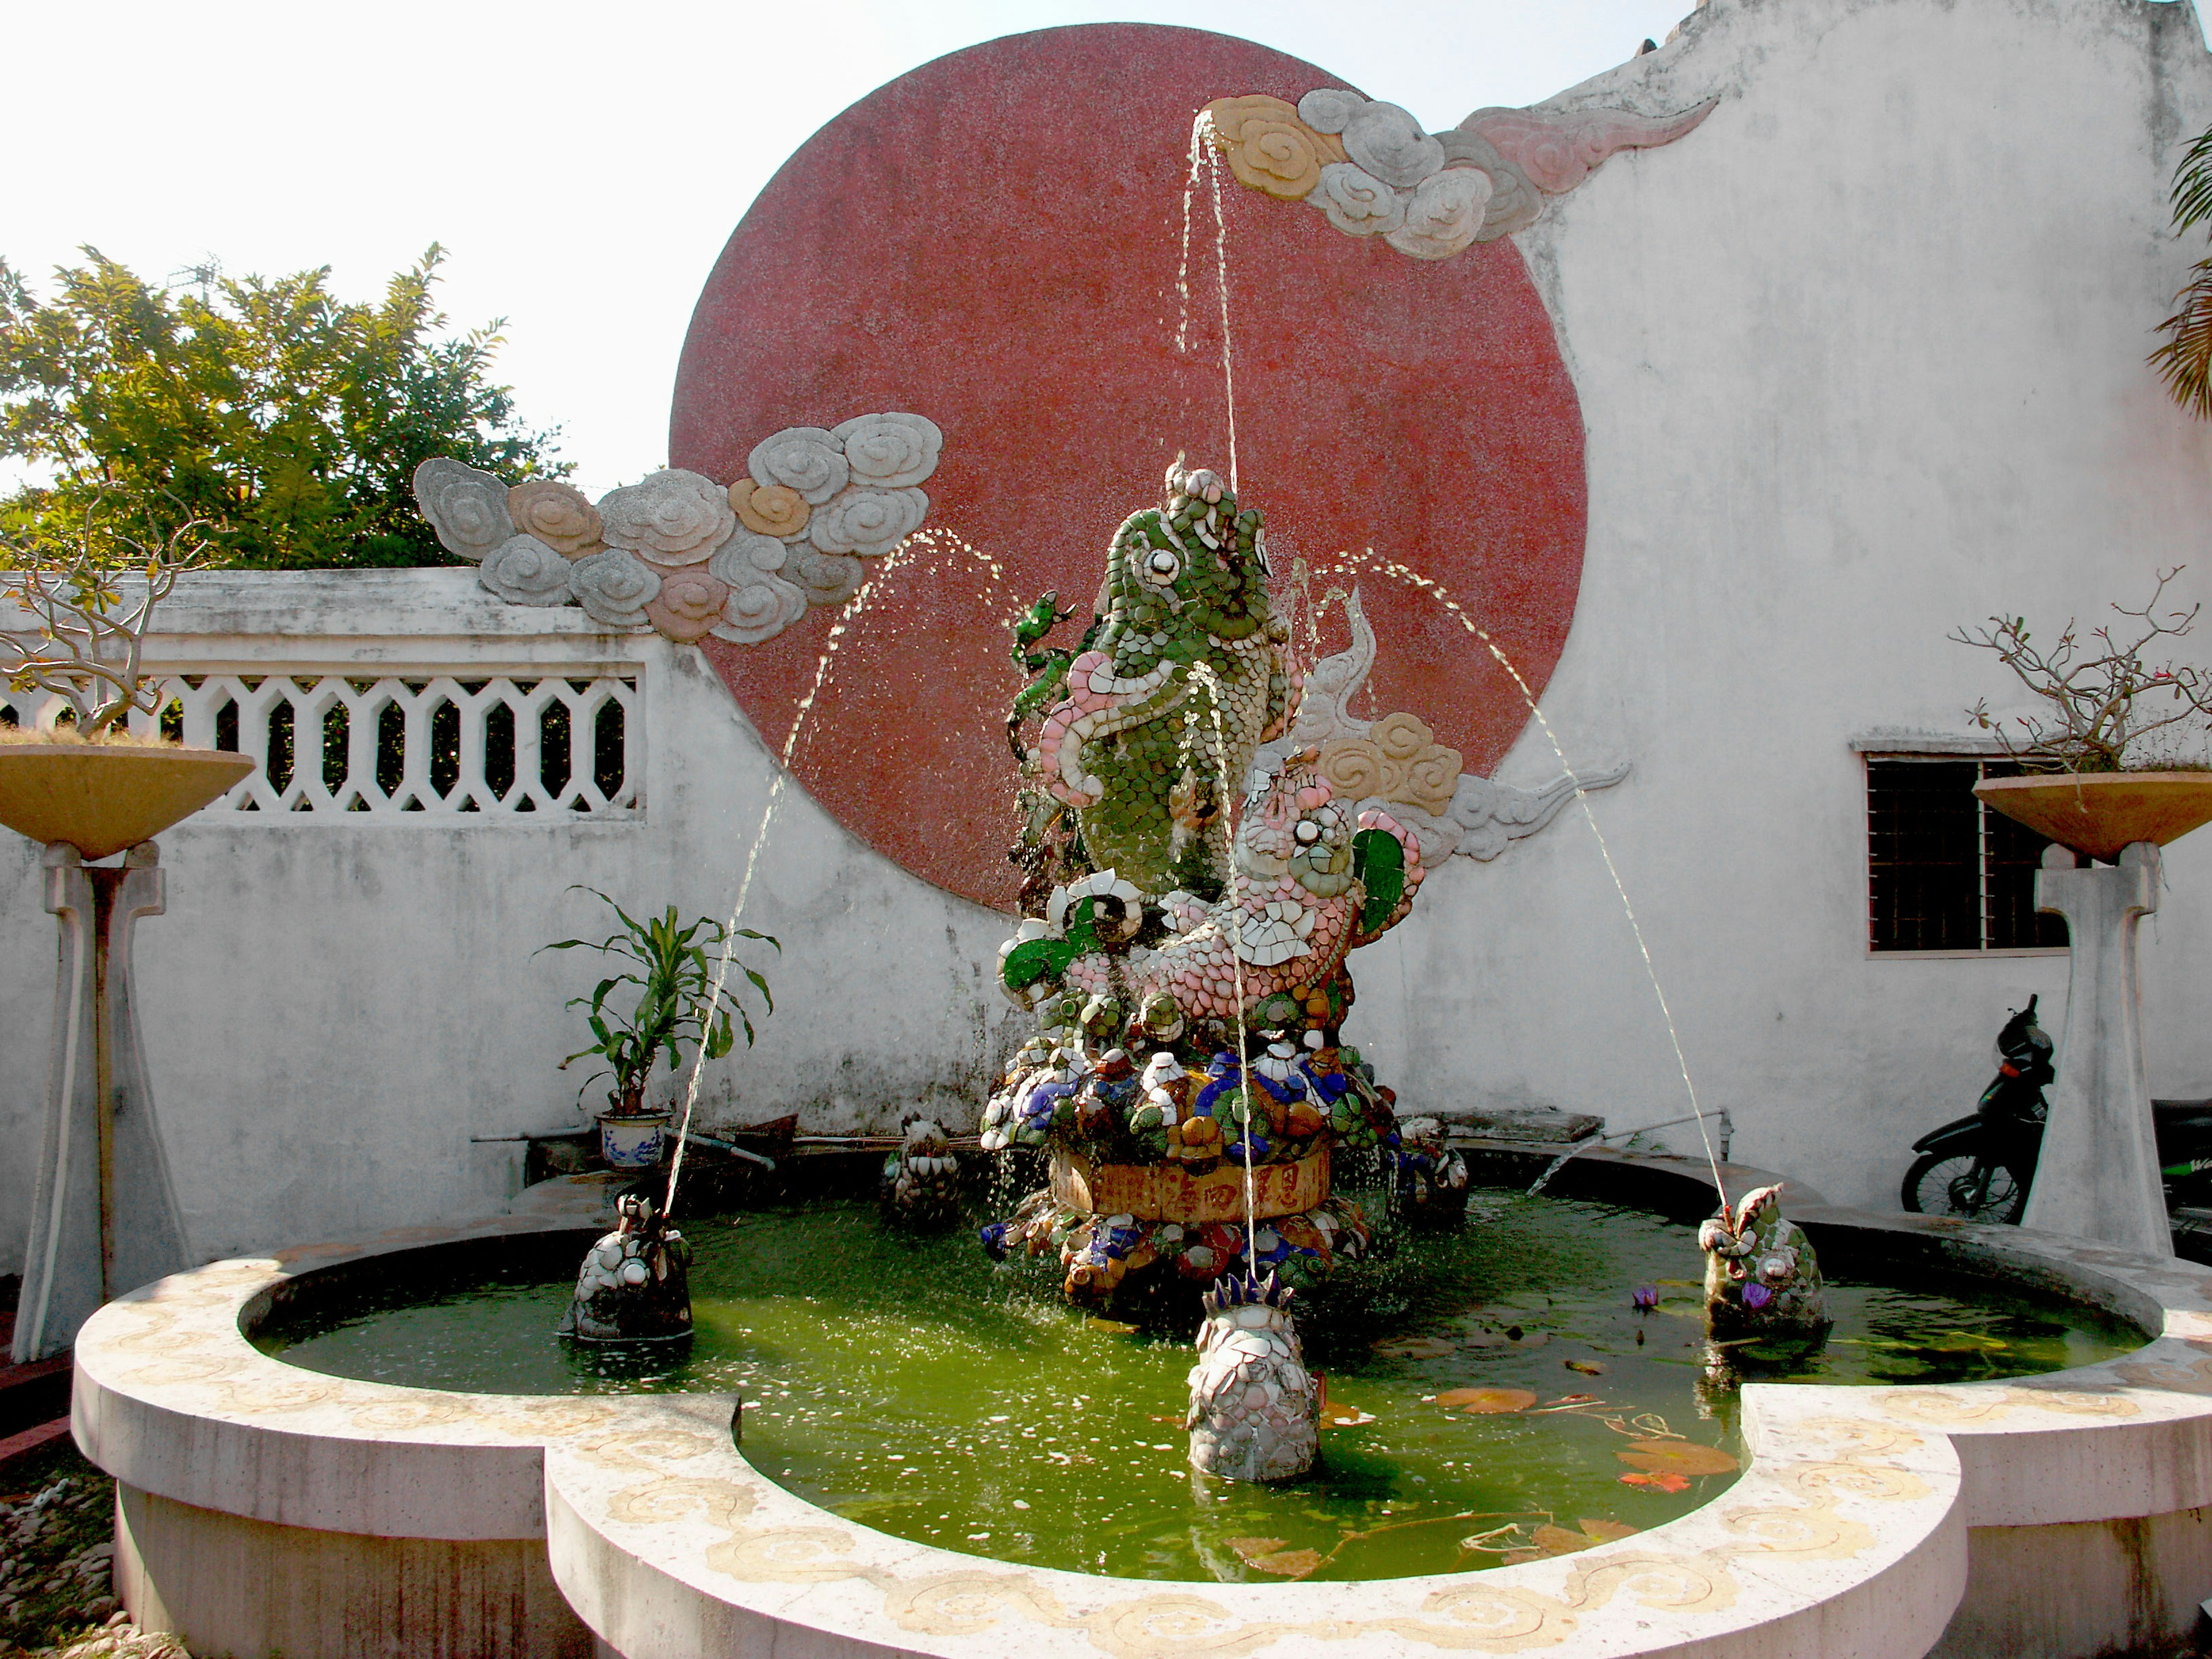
(1756, 1295)
(1644, 1297)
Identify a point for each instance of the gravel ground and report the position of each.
(56, 1541)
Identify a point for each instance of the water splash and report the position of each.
(1205, 153)
(1411, 577)
(1203, 671)
(854, 609)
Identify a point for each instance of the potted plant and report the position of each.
(73, 623)
(682, 997)
(2087, 782)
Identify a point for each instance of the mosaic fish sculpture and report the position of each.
(1150, 1081)
(1432, 1175)
(1255, 1409)
(1762, 1278)
(1183, 676)
(920, 1185)
(635, 1285)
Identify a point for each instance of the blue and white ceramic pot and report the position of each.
(632, 1143)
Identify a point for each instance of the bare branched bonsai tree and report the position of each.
(69, 626)
(2094, 687)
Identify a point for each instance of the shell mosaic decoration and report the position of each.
(683, 554)
(1255, 1409)
(1429, 1176)
(920, 1184)
(1761, 1275)
(1372, 171)
(635, 1285)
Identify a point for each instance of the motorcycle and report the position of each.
(1979, 1168)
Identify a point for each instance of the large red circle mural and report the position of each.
(995, 241)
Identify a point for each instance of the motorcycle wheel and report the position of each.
(1963, 1185)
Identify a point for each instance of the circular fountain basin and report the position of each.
(1504, 1398)
(258, 1497)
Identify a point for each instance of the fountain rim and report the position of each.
(1853, 1503)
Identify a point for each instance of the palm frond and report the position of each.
(2185, 361)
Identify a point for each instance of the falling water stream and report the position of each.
(939, 542)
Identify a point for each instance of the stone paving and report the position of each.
(57, 1542)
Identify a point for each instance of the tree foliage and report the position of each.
(285, 420)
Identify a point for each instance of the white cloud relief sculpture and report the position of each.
(814, 502)
(1372, 171)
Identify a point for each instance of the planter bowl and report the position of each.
(103, 797)
(2101, 813)
(632, 1143)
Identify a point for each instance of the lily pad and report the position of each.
(1343, 1414)
(1115, 1326)
(1558, 1540)
(1677, 1457)
(1268, 1555)
(1607, 1532)
(1255, 1549)
(1588, 1368)
(1482, 1402)
(1288, 1563)
(1414, 1347)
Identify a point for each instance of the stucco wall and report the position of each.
(1863, 359)
(334, 1003)
(1860, 359)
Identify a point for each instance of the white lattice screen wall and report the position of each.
(427, 748)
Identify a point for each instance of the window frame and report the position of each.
(1981, 755)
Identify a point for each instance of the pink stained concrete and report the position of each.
(993, 240)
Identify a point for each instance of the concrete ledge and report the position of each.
(226, 1584)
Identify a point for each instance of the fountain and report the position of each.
(1526, 1425)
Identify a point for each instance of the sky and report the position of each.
(582, 164)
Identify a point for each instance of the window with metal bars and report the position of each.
(1944, 872)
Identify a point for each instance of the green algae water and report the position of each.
(909, 1385)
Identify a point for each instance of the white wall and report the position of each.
(1860, 359)
(332, 1005)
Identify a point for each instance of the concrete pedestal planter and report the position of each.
(629, 1142)
(2099, 813)
(103, 797)
(104, 1215)
(2098, 1176)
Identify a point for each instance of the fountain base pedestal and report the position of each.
(1169, 1191)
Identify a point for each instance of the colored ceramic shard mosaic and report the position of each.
(1195, 883)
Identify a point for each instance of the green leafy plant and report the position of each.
(2099, 698)
(674, 970)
